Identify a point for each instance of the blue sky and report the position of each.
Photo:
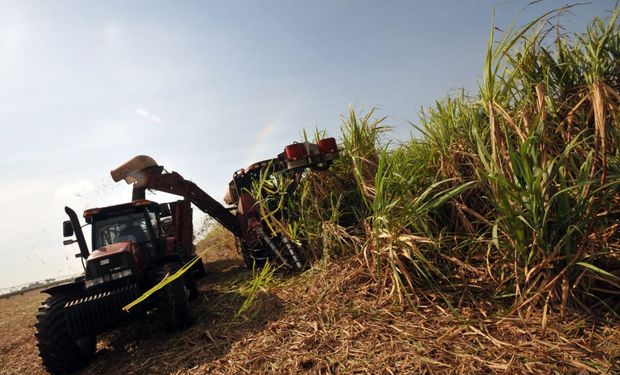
(206, 88)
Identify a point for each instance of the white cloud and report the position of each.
(142, 112)
(75, 189)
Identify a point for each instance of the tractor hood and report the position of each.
(113, 262)
(115, 248)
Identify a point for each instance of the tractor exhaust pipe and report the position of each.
(77, 229)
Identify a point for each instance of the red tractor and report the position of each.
(137, 244)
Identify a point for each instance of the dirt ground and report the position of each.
(18, 353)
(325, 321)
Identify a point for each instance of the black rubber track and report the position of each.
(199, 270)
(173, 301)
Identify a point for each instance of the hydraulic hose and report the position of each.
(293, 252)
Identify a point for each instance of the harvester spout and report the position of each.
(136, 171)
(144, 173)
(132, 170)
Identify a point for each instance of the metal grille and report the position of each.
(95, 313)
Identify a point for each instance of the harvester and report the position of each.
(138, 244)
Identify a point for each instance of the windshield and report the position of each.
(120, 229)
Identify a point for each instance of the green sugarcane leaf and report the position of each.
(597, 270)
(167, 280)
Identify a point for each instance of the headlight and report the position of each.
(101, 280)
(93, 282)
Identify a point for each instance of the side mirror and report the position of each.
(67, 229)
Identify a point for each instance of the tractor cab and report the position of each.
(130, 239)
(126, 240)
(139, 227)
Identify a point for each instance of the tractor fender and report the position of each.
(72, 286)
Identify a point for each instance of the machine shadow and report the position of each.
(140, 348)
(225, 270)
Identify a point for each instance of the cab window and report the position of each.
(121, 229)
